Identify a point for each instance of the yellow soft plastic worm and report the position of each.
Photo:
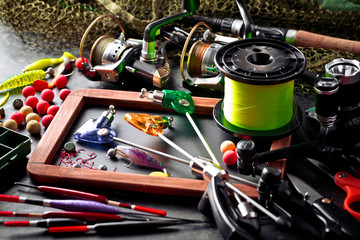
(47, 62)
(22, 79)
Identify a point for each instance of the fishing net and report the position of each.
(55, 26)
(340, 5)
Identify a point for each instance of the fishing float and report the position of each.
(93, 197)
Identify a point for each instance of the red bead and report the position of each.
(230, 157)
(46, 120)
(42, 107)
(52, 110)
(28, 91)
(31, 101)
(64, 93)
(79, 61)
(60, 81)
(40, 85)
(47, 95)
(18, 117)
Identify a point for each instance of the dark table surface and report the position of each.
(15, 55)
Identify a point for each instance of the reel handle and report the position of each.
(148, 52)
(191, 5)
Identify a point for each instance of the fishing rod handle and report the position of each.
(309, 39)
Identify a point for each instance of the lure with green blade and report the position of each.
(141, 158)
(47, 62)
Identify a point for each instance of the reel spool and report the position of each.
(108, 50)
(200, 62)
(347, 72)
(258, 95)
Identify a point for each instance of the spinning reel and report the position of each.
(113, 60)
(200, 63)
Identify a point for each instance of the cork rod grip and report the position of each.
(308, 39)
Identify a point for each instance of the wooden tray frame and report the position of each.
(40, 168)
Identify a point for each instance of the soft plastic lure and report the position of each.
(22, 79)
(5, 97)
(47, 62)
(140, 158)
(19, 81)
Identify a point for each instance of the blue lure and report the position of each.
(138, 157)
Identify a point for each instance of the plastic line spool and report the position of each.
(259, 82)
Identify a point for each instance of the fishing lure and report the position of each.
(3, 99)
(47, 62)
(23, 79)
(20, 80)
(140, 158)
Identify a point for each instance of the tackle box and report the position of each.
(13, 148)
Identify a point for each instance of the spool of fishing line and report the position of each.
(259, 86)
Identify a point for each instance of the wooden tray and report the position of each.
(40, 167)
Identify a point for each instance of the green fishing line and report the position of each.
(258, 107)
(259, 76)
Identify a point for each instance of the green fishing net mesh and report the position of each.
(55, 26)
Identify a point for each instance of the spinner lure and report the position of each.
(140, 158)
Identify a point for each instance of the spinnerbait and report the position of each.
(139, 157)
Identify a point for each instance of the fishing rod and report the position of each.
(246, 28)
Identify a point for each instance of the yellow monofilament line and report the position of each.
(258, 107)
